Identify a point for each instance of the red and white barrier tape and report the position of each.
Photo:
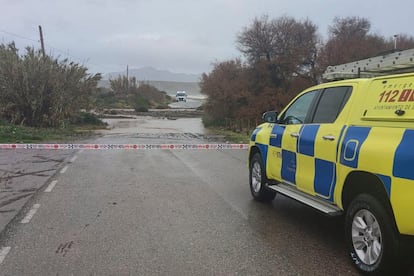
(124, 146)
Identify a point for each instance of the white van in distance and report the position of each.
(181, 96)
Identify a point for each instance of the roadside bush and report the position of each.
(86, 118)
(162, 106)
(127, 92)
(141, 109)
(209, 121)
(140, 103)
(42, 91)
(17, 134)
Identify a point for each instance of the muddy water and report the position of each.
(154, 125)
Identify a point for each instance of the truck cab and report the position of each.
(345, 148)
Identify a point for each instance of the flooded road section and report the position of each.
(154, 125)
(160, 130)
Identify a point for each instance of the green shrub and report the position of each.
(141, 109)
(140, 104)
(86, 118)
(162, 106)
(209, 121)
(42, 91)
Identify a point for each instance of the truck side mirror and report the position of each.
(270, 117)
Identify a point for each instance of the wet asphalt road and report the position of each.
(166, 212)
(22, 173)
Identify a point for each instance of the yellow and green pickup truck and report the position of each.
(346, 148)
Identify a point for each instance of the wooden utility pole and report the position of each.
(127, 76)
(42, 44)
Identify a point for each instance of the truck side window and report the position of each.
(298, 111)
(331, 104)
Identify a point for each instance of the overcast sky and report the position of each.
(184, 36)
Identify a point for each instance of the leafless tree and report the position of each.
(349, 40)
(287, 45)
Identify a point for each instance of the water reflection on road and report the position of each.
(154, 125)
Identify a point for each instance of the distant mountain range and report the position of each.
(171, 87)
(152, 74)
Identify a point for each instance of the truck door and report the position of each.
(282, 161)
(318, 143)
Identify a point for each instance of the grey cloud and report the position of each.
(185, 35)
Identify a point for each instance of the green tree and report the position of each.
(123, 85)
(42, 91)
(139, 95)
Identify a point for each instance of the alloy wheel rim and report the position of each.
(256, 177)
(366, 237)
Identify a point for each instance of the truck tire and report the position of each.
(257, 179)
(371, 236)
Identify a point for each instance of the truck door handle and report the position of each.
(294, 134)
(328, 137)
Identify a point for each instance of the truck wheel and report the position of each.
(371, 236)
(257, 177)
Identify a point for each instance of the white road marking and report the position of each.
(30, 214)
(73, 159)
(51, 186)
(64, 169)
(3, 253)
(81, 150)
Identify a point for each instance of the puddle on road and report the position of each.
(154, 125)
